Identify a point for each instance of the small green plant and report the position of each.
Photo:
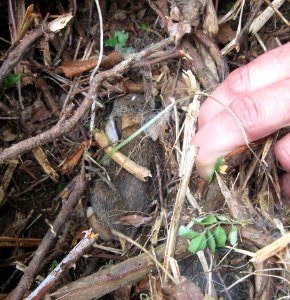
(60, 187)
(212, 236)
(144, 26)
(10, 81)
(219, 163)
(229, 6)
(53, 265)
(118, 42)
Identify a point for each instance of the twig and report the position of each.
(94, 104)
(266, 15)
(7, 241)
(101, 41)
(12, 20)
(5, 180)
(75, 254)
(191, 152)
(124, 273)
(22, 48)
(249, 21)
(156, 60)
(215, 53)
(64, 126)
(125, 162)
(52, 233)
(160, 14)
(272, 249)
(278, 12)
(143, 128)
(198, 67)
(157, 263)
(16, 54)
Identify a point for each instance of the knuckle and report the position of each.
(238, 81)
(248, 111)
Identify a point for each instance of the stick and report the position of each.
(66, 125)
(129, 165)
(22, 48)
(122, 274)
(75, 254)
(52, 233)
(190, 153)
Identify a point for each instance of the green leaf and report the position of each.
(220, 161)
(121, 37)
(118, 41)
(53, 265)
(144, 26)
(60, 187)
(112, 42)
(10, 80)
(223, 219)
(187, 233)
(208, 220)
(220, 236)
(198, 243)
(229, 6)
(211, 241)
(233, 235)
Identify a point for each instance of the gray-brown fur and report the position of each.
(131, 195)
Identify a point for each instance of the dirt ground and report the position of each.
(99, 103)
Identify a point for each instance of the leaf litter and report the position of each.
(227, 238)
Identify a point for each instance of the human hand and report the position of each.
(259, 95)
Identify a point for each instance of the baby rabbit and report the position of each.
(128, 194)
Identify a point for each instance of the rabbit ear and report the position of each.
(111, 130)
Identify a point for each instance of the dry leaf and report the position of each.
(77, 68)
(69, 163)
(28, 18)
(6, 179)
(38, 112)
(210, 22)
(60, 23)
(225, 34)
(178, 30)
(175, 14)
(43, 161)
(7, 135)
(134, 220)
(191, 10)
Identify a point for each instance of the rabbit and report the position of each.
(126, 194)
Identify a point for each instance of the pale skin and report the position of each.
(259, 95)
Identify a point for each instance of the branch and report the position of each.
(75, 254)
(125, 273)
(18, 51)
(64, 126)
(73, 199)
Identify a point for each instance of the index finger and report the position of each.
(267, 69)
